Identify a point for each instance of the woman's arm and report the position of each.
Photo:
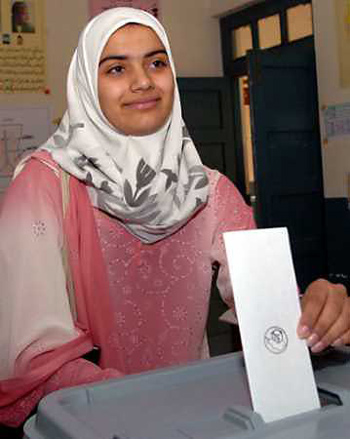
(39, 341)
(232, 213)
(73, 373)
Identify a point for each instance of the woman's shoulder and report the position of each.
(213, 174)
(40, 160)
(226, 202)
(220, 183)
(36, 176)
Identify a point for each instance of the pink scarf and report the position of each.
(94, 317)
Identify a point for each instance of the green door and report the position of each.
(287, 151)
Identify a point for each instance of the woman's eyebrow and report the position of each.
(125, 57)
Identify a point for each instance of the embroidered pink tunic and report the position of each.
(159, 292)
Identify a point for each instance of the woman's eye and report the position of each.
(116, 70)
(159, 63)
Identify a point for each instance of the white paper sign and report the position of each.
(22, 129)
(278, 363)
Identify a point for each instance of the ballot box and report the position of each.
(204, 400)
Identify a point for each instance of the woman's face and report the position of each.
(135, 81)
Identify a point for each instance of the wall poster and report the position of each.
(97, 6)
(22, 46)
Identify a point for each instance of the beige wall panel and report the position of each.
(222, 7)
(194, 36)
(65, 20)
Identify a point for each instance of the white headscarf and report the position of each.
(153, 184)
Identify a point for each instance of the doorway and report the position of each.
(268, 52)
(274, 23)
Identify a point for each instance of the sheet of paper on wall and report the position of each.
(278, 363)
(336, 120)
(22, 129)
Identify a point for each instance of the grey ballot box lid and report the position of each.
(204, 400)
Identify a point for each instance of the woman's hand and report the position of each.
(325, 318)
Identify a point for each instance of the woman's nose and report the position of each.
(141, 80)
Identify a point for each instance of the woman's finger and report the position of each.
(312, 304)
(325, 314)
(336, 332)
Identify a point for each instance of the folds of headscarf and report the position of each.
(153, 184)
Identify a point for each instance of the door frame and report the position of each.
(249, 17)
(236, 68)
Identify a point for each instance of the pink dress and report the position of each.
(160, 292)
(147, 305)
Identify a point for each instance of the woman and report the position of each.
(119, 256)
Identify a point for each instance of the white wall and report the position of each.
(194, 35)
(336, 154)
(222, 7)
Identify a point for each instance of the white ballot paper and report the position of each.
(278, 364)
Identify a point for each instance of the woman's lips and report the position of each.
(143, 104)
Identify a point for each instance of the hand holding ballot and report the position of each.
(325, 318)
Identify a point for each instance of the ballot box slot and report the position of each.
(328, 398)
(330, 357)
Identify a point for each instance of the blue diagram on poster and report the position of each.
(22, 130)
